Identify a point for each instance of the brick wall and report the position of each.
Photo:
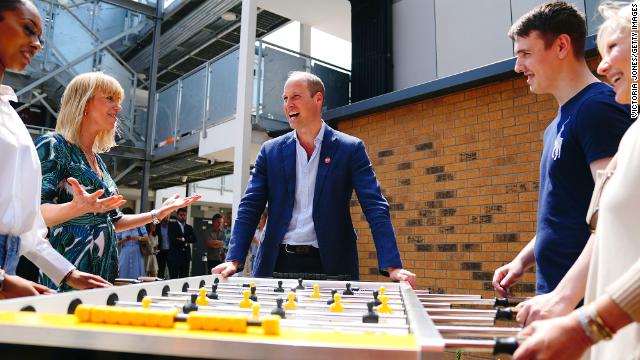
(460, 173)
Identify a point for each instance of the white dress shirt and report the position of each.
(301, 229)
(20, 184)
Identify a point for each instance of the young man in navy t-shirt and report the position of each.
(549, 46)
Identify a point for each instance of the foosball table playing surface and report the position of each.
(253, 318)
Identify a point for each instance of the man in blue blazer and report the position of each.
(307, 177)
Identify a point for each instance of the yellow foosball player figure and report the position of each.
(337, 305)
(291, 302)
(246, 303)
(202, 299)
(316, 292)
(255, 311)
(384, 308)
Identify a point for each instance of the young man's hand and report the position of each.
(505, 276)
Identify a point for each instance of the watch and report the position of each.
(154, 217)
(1, 279)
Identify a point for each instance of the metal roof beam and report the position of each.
(144, 9)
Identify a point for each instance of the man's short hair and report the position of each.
(216, 217)
(314, 83)
(552, 20)
(184, 210)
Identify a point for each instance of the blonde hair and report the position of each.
(74, 102)
(617, 15)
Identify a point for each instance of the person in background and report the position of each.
(150, 261)
(181, 236)
(80, 200)
(607, 273)
(131, 261)
(226, 226)
(162, 230)
(22, 229)
(257, 238)
(215, 242)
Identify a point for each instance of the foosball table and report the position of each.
(251, 318)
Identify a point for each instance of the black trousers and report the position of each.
(161, 256)
(291, 262)
(178, 267)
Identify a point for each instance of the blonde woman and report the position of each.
(607, 273)
(80, 200)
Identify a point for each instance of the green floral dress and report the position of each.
(88, 241)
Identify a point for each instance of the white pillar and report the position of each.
(305, 39)
(242, 126)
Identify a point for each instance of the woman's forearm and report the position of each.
(612, 315)
(55, 214)
(128, 222)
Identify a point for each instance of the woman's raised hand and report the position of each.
(91, 203)
(176, 202)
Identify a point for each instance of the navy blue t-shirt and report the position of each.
(587, 128)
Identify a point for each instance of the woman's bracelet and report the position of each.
(593, 325)
(154, 217)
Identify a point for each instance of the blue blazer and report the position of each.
(273, 181)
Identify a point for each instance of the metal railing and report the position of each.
(206, 96)
(79, 37)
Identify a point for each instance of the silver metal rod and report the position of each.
(319, 306)
(462, 301)
(441, 305)
(478, 331)
(506, 345)
(423, 293)
(304, 314)
(326, 288)
(463, 320)
(485, 346)
(302, 296)
(460, 312)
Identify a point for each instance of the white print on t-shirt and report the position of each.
(557, 144)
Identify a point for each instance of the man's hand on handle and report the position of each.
(398, 274)
(226, 269)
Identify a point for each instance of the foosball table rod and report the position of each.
(464, 320)
(302, 296)
(303, 305)
(302, 314)
(507, 314)
(499, 346)
(495, 302)
(477, 331)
